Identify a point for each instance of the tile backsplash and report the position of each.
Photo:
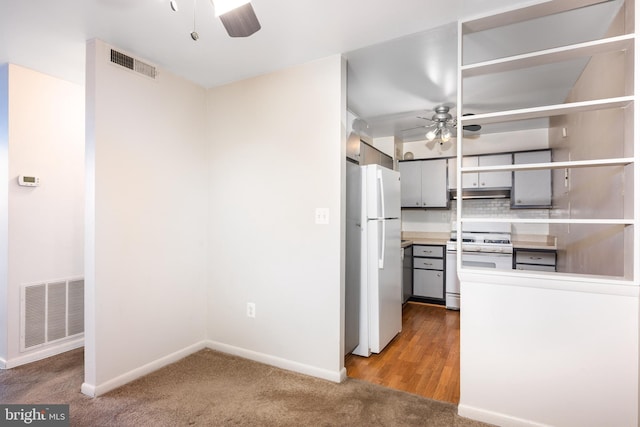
(439, 220)
(499, 208)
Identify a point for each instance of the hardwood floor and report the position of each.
(423, 359)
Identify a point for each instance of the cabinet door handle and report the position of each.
(438, 275)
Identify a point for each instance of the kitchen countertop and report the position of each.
(519, 241)
(535, 242)
(422, 238)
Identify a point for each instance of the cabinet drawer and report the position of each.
(535, 267)
(428, 263)
(432, 251)
(428, 283)
(534, 257)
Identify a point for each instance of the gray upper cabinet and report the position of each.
(495, 179)
(424, 183)
(531, 188)
(410, 184)
(470, 179)
(453, 172)
(476, 180)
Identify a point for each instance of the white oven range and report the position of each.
(484, 245)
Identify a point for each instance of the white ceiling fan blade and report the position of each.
(425, 118)
(241, 21)
(413, 128)
(223, 6)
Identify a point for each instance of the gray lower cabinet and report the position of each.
(428, 272)
(407, 273)
(428, 283)
(535, 259)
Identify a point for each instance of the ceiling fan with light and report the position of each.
(443, 127)
(237, 16)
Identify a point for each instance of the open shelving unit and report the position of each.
(580, 50)
(554, 165)
(527, 60)
(547, 111)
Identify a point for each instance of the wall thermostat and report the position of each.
(28, 181)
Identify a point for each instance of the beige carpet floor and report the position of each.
(210, 388)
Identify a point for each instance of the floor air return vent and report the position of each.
(51, 312)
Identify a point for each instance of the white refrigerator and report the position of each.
(381, 267)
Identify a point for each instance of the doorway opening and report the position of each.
(423, 359)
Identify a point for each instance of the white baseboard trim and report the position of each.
(495, 418)
(343, 374)
(88, 390)
(335, 376)
(42, 354)
(97, 390)
(93, 390)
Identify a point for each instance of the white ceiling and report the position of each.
(50, 35)
(391, 83)
(411, 66)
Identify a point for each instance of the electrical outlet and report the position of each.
(251, 309)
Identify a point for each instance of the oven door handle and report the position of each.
(487, 260)
(479, 264)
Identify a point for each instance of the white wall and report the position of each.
(147, 221)
(45, 232)
(558, 351)
(4, 209)
(386, 145)
(277, 154)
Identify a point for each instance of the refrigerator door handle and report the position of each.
(381, 187)
(384, 243)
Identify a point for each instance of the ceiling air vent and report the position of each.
(134, 64)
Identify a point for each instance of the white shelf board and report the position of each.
(573, 282)
(524, 14)
(552, 165)
(563, 53)
(546, 111)
(549, 221)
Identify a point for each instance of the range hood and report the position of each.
(481, 193)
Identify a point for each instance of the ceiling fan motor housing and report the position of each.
(442, 114)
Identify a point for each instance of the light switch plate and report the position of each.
(322, 215)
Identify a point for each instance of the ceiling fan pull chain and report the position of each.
(194, 34)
